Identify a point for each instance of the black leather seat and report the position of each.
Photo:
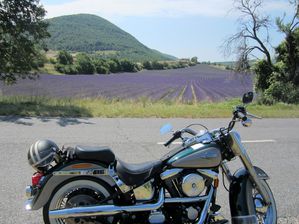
(137, 174)
(100, 154)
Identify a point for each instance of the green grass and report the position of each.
(49, 69)
(97, 107)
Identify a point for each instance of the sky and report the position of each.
(182, 28)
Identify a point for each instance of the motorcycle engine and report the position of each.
(185, 184)
(193, 185)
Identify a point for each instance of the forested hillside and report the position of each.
(93, 34)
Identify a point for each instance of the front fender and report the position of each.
(241, 204)
(54, 181)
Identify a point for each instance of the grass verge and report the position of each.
(98, 107)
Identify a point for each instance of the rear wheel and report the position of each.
(77, 193)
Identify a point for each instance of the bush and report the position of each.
(52, 61)
(84, 64)
(147, 65)
(194, 60)
(70, 69)
(263, 73)
(156, 65)
(64, 58)
(114, 66)
(127, 66)
(66, 69)
(281, 92)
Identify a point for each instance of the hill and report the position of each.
(93, 34)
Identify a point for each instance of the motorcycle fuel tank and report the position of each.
(197, 156)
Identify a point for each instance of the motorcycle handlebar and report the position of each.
(253, 116)
(189, 131)
(175, 136)
(241, 116)
(178, 134)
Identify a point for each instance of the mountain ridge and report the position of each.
(92, 33)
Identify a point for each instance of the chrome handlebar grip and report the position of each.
(253, 116)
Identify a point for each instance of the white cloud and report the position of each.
(148, 8)
(152, 8)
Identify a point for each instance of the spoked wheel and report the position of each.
(266, 214)
(79, 193)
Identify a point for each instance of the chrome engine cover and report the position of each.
(193, 184)
(144, 192)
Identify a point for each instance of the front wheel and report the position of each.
(266, 214)
(77, 193)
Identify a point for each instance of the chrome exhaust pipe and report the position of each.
(104, 209)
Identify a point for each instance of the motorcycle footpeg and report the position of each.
(224, 221)
(215, 208)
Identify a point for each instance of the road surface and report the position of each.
(272, 144)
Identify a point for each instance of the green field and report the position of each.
(96, 107)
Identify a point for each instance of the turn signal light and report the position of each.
(216, 183)
(36, 178)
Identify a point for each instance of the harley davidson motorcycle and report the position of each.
(90, 185)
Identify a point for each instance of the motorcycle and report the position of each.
(90, 185)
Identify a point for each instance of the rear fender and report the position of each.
(62, 174)
(240, 205)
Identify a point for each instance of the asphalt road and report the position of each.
(135, 140)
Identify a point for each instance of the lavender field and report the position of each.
(198, 83)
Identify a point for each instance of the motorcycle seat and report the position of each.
(101, 154)
(137, 174)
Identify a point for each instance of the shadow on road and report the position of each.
(21, 111)
(61, 121)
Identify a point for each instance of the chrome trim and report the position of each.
(247, 123)
(186, 200)
(29, 204)
(96, 172)
(144, 192)
(29, 191)
(208, 173)
(193, 184)
(239, 150)
(170, 173)
(121, 185)
(105, 209)
(205, 209)
(81, 172)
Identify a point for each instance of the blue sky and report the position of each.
(183, 28)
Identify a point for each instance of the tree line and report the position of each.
(83, 63)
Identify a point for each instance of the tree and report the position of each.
(252, 34)
(22, 30)
(288, 51)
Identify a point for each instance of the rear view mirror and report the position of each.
(247, 98)
(165, 129)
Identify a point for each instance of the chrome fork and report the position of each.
(239, 150)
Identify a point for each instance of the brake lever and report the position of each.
(253, 116)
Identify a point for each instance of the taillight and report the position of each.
(36, 178)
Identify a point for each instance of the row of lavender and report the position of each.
(192, 84)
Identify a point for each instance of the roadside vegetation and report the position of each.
(81, 63)
(99, 107)
(277, 78)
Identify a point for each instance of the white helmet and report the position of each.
(42, 153)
